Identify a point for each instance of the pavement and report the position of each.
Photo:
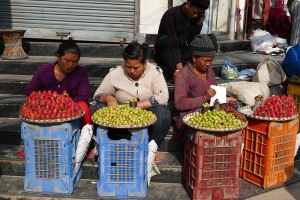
(288, 192)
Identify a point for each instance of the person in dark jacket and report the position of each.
(178, 27)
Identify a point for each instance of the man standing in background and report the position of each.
(178, 27)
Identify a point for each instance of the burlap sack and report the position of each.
(269, 72)
(245, 91)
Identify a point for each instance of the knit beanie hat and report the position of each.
(204, 45)
(203, 4)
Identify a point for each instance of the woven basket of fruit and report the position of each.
(51, 121)
(215, 121)
(248, 112)
(275, 108)
(123, 116)
(49, 107)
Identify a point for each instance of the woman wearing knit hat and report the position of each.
(192, 85)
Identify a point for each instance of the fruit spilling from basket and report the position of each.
(218, 119)
(277, 107)
(123, 115)
(48, 105)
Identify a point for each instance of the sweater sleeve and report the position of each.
(35, 84)
(171, 31)
(181, 95)
(160, 89)
(83, 89)
(104, 88)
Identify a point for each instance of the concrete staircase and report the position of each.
(97, 58)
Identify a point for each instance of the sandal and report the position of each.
(158, 157)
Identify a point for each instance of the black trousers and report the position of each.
(164, 55)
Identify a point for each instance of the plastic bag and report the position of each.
(291, 62)
(246, 74)
(262, 41)
(229, 71)
(245, 91)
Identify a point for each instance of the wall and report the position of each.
(150, 15)
(152, 11)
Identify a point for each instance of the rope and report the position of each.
(13, 45)
(238, 14)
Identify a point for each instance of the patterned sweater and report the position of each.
(189, 90)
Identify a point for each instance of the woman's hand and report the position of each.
(231, 100)
(209, 93)
(144, 104)
(111, 101)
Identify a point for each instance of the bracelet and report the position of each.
(204, 97)
(153, 101)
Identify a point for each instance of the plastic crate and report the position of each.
(122, 163)
(268, 156)
(294, 90)
(50, 157)
(211, 164)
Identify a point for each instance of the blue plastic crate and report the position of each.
(50, 157)
(122, 164)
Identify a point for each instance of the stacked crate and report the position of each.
(50, 157)
(268, 156)
(122, 163)
(211, 164)
(294, 90)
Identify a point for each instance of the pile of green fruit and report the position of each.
(215, 119)
(295, 78)
(123, 115)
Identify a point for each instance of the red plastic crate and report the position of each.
(268, 156)
(211, 164)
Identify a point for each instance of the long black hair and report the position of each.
(68, 46)
(134, 50)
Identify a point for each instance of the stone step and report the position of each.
(170, 166)
(16, 84)
(10, 134)
(112, 50)
(10, 131)
(12, 188)
(99, 67)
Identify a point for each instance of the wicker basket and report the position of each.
(13, 49)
